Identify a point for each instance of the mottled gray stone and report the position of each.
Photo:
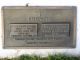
(39, 26)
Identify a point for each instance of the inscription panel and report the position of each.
(55, 31)
(23, 31)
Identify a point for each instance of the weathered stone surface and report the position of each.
(39, 27)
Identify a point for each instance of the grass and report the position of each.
(49, 57)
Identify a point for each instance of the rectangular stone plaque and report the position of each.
(39, 26)
(23, 31)
(55, 31)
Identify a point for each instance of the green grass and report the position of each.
(49, 57)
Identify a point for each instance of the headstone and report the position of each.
(39, 26)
